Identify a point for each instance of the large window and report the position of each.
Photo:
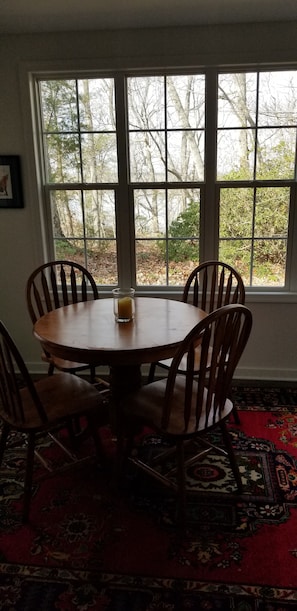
(146, 175)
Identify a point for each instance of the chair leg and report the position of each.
(28, 476)
(232, 457)
(235, 414)
(4, 435)
(120, 458)
(124, 446)
(74, 431)
(97, 439)
(124, 442)
(50, 370)
(181, 482)
(151, 374)
(92, 374)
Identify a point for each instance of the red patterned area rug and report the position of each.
(88, 547)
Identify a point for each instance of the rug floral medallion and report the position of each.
(91, 546)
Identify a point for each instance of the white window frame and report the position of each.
(209, 189)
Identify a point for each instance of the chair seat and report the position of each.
(147, 405)
(55, 392)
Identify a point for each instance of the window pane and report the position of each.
(184, 213)
(59, 106)
(67, 214)
(149, 212)
(272, 212)
(102, 261)
(146, 108)
(186, 101)
(278, 98)
(269, 263)
(185, 156)
(96, 105)
(276, 153)
(236, 213)
(151, 262)
(62, 158)
(235, 152)
(99, 158)
(99, 208)
(237, 96)
(147, 155)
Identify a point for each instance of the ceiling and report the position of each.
(26, 16)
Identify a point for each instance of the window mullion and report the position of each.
(209, 198)
(124, 195)
(291, 268)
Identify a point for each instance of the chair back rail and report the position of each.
(56, 284)
(212, 285)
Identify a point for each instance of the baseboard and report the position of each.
(242, 373)
(269, 375)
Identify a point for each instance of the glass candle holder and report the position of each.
(123, 304)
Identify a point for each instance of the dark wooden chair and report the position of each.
(43, 407)
(210, 285)
(183, 408)
(55, 284)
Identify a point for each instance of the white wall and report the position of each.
(272, 349)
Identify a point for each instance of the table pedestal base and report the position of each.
(123, 380)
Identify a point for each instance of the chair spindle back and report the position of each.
(226, 332)
(56, 284)
(15, 383)
(212, 285)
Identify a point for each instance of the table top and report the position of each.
(88, 332)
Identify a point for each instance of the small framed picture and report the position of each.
(11, 193)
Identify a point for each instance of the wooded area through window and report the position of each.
(140, 186)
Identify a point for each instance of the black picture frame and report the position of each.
(11, 192)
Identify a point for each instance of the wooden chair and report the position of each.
(182, 408)
(210, 285)
(42, 407)
(55, 284)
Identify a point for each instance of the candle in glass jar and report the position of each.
(123, 301)
(125, 308)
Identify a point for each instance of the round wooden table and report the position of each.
(87, 332)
